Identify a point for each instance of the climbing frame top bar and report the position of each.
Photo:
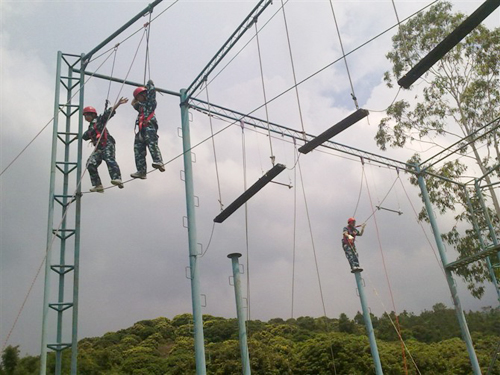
(242, 29)
(250, 192)
(147, 10)
(334, 130)
(448, 43)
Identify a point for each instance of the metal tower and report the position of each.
(63, 230)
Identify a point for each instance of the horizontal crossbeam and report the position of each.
(212, 109)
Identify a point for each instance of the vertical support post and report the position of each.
(368, 323)
(245, 359)
(193, 254)
(449, 278)
(65, 191)
(492, 234)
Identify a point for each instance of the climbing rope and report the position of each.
(264, 93)
(314, 254)
(243, 146)
(353, 95)
(293, 69)
(395, 327)
(147, 66)
(214, 150)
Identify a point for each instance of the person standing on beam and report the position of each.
(144, 102)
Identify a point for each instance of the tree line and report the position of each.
(304, 345)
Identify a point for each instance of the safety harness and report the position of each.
(104, 139)
(144, 122)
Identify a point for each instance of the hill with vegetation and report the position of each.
(303, 345)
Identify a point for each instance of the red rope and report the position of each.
(387, 278)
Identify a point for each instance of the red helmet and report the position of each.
(351, 220)
(89, 110)
(138, 90)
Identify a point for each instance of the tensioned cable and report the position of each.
(344, 57)
(293, 68)
(360, 188)
(315, 256)
(53, 238)
(244, 156)
(50, 121)
(95, 58)
(390, 189)
(295, 156)
(115, 50)
(264, 93)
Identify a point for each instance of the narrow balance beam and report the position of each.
(448, 43)
(250, 192)
(334, 130)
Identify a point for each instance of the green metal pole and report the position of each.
(492, 234)
(245, 359)
(368, 323)
(48, 250)
(193, 253)
(449, 278)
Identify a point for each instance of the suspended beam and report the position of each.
(250, 192)
(334, 130)
(233, 39)
(493, 250)
(448, 43)
(399, 212)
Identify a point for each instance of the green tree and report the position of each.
(460, 95)
(10, 359)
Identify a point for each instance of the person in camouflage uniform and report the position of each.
(104, 145)
(348, 237)
(144, 102)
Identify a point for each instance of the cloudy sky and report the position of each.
(134, 250)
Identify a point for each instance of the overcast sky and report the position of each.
(134, 250)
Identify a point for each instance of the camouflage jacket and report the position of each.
(147, 108)
(96, 128)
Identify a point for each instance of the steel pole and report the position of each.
(193, 254)
(245, 359)
(449, 278)
(48, 250)
(492, 234)
(368, 323)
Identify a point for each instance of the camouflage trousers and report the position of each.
(148, 137)
(108, 155)
(351, 254)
